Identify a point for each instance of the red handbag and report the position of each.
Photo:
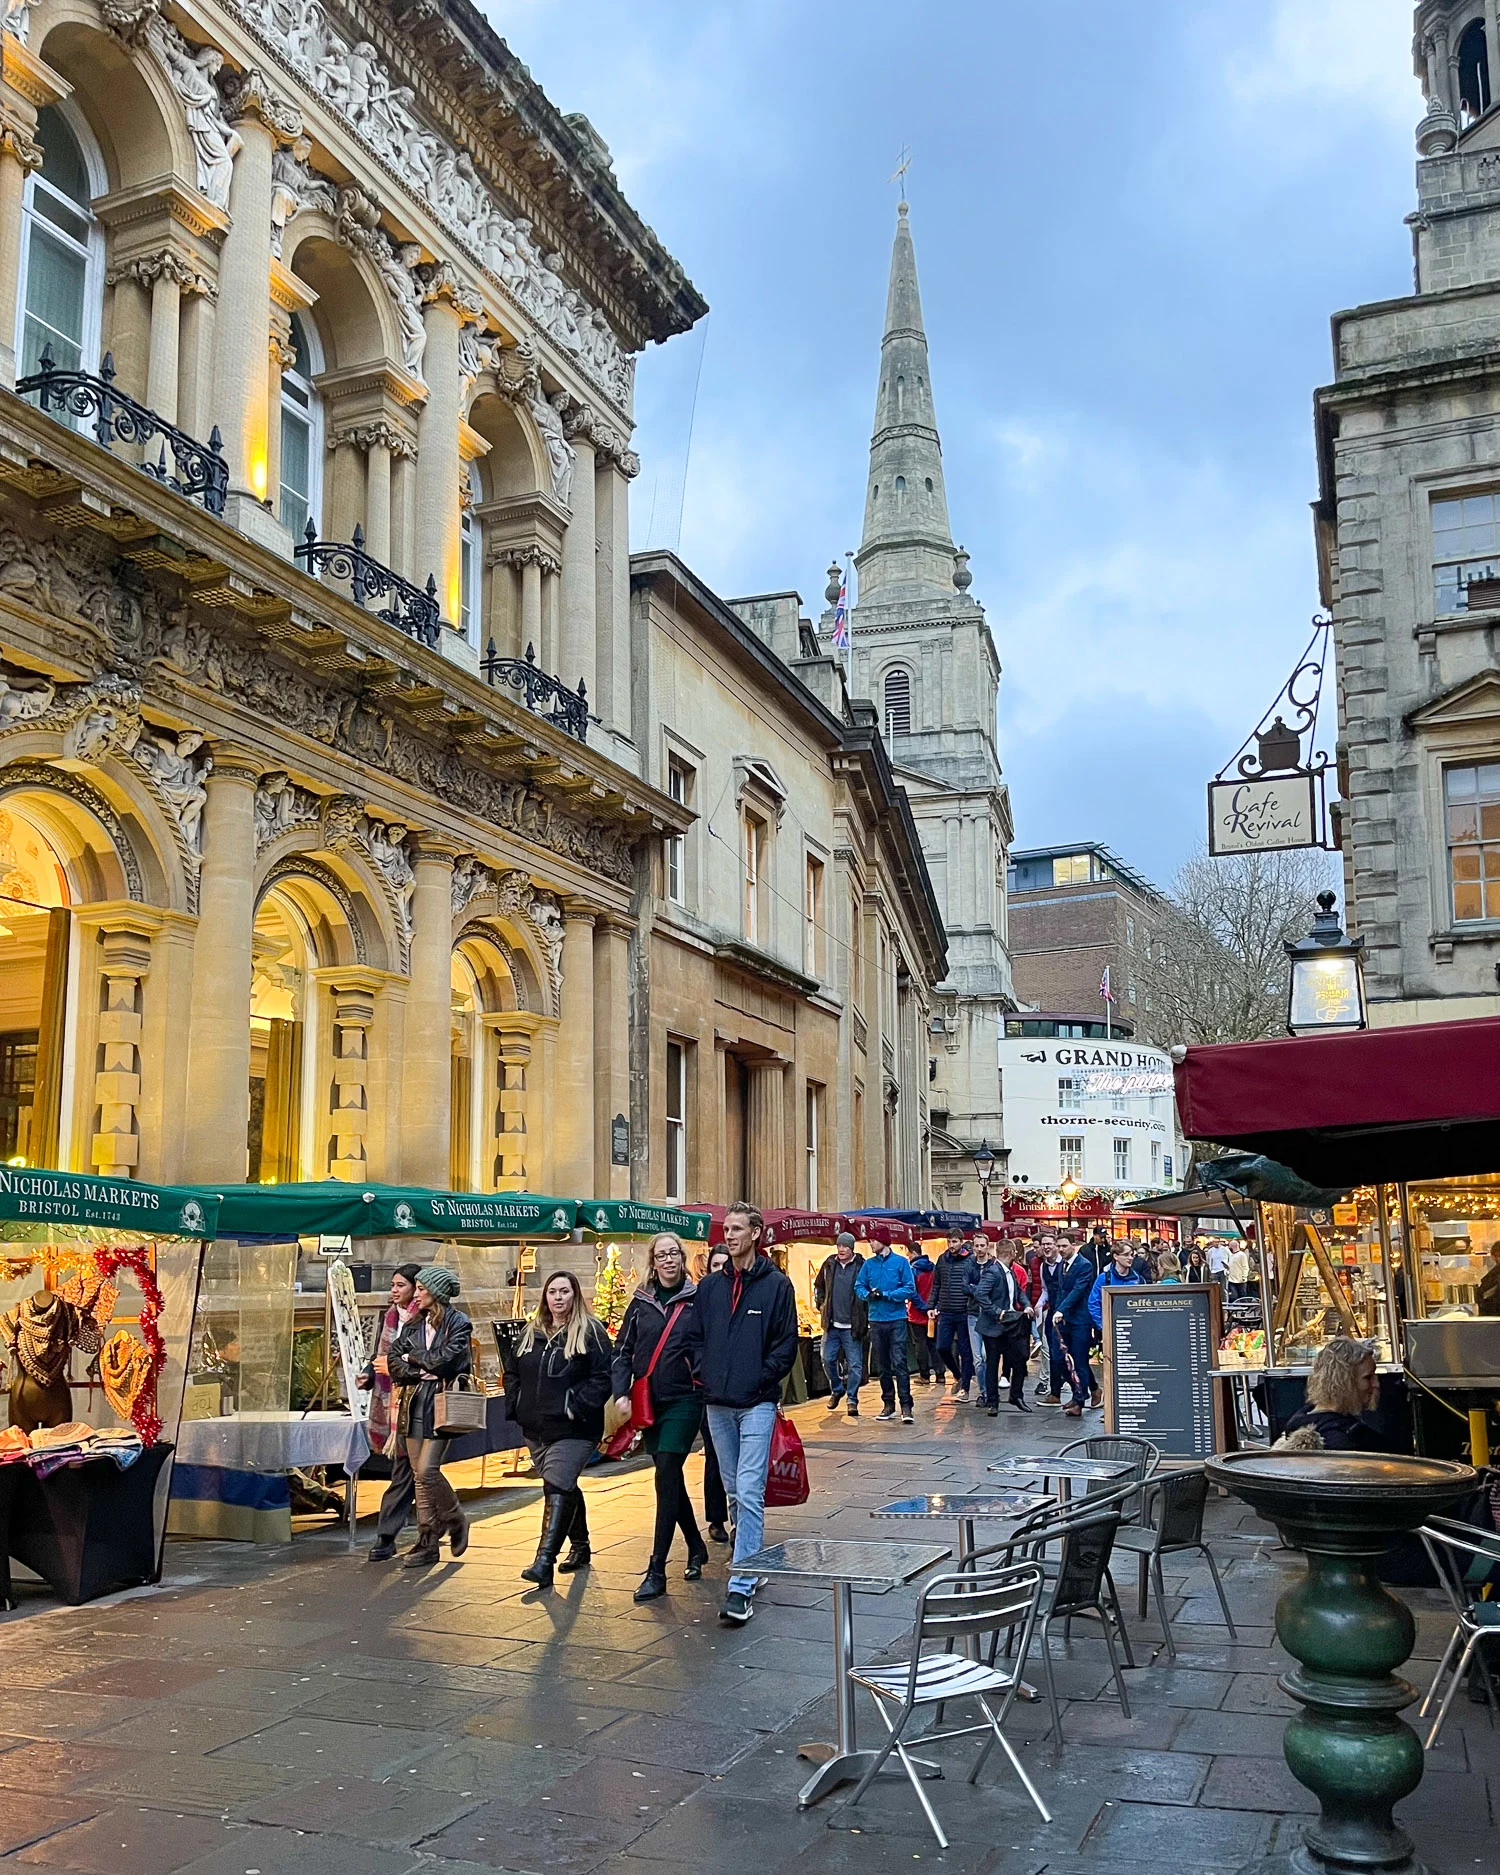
(642, 1412)
(786, 1470)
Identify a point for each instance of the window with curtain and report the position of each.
(62, 249)
(301, 434)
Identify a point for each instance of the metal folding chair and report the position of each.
(1453, 1548)
(965, 1606)
(1173, 1522)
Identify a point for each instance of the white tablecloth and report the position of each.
(273, 1442)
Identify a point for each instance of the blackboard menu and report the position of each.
(1159, 1342)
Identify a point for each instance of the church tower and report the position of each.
(920, 649)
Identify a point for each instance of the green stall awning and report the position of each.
(623, 1217)
(334, 1208)
(34, 1195)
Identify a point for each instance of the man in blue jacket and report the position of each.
(1070, 1289)
(742, 1340)
(1120, 1274)
(885, 1285)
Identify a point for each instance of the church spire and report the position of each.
(907, 551)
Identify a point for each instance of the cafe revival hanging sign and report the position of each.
(1268, 798)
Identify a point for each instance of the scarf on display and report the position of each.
(40, 1332)
(125, 1370)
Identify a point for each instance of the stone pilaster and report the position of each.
(439, 464)
(218, 1082)
(353, 1004)
(25, 85)
(611, 1050)
(765, 1134)
(611, 686)
(125, 946)
(573, 1099)
(509, 1147)
(426, 1088)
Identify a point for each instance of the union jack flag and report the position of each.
(841, 615)
(1104, 990)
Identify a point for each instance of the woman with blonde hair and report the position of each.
(556, 1385)
(652, 1348)
(1342, 1387)
(1168, 1269)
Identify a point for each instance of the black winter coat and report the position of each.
(553, 1396)
(422, 1370)
(950, 1283)
(641, 1330)
(744, 1334)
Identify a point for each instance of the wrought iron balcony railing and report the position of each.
(542, 694)
(198, 471)
(409, 609)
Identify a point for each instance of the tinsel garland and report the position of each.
(143, 1414)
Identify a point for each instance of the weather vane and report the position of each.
(898, 174)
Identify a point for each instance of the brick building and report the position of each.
(1075, 911)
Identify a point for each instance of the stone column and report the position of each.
(531, 604)
(129, 336)
(439, 467)
(166, 315)
(611, 1050)
(126, 947)
(765, 1127)
(195, 390)
(19, 152)
(218, 1081)
(378, 495)
(403, 484)
(426, 1081)
(573, 1095)
(575, 656)
(349, 1109)
(238, 400)
(611, 688)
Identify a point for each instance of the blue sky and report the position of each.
(1131, 235)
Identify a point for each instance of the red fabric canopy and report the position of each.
(803, 1226)
(1381, 1105)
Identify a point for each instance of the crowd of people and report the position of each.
(709, 1358)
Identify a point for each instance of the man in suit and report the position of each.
(1071, 1289)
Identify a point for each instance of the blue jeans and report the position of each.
(843, 1342)
(976, 1345)
(742, 1439)
(888, 1343)
(954, 1351)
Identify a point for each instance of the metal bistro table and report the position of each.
(966, 1510)
(875, 1568)
(1065, 1470)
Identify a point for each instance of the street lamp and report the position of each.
(1328, 979)
(1068, 1191)
(984, 1168)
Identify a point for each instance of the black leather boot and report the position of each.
(556, 1513)
(579, 1554)
(654, 1582)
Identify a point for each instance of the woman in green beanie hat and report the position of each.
(431, 1351)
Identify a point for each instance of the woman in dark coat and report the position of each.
(655, 1329)
(556, 1384)
(432, 1351)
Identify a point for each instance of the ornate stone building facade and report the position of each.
(335, 795)
(921, 649)
(1409, 536)
(318, 865)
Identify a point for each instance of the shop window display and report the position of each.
(1330, 1273)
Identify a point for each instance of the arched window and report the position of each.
(900, 395)
(301, 434)
(900, 484)
(469, 561)
(1474, 71)
(62, 249)
(898, 702)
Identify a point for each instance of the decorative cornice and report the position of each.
(146, 269)
(376, 435)
(528, 555)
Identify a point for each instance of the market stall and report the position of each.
(801, 1242)
(620, 1230)
(98, 1286)
(1370, 1165)
(281, 1335)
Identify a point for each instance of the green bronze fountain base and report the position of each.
(1348, 1634)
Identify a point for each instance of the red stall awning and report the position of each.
(1380, 1106)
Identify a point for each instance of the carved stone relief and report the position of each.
(345, 824)
(353, 79)
(281, 807)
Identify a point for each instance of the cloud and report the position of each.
(1351, 52)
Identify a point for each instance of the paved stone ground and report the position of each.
(301, 1709)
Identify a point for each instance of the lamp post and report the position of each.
(984, 1168)
(1327, 995)
(1068, 1191)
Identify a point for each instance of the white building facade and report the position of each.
(1094, 1114)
